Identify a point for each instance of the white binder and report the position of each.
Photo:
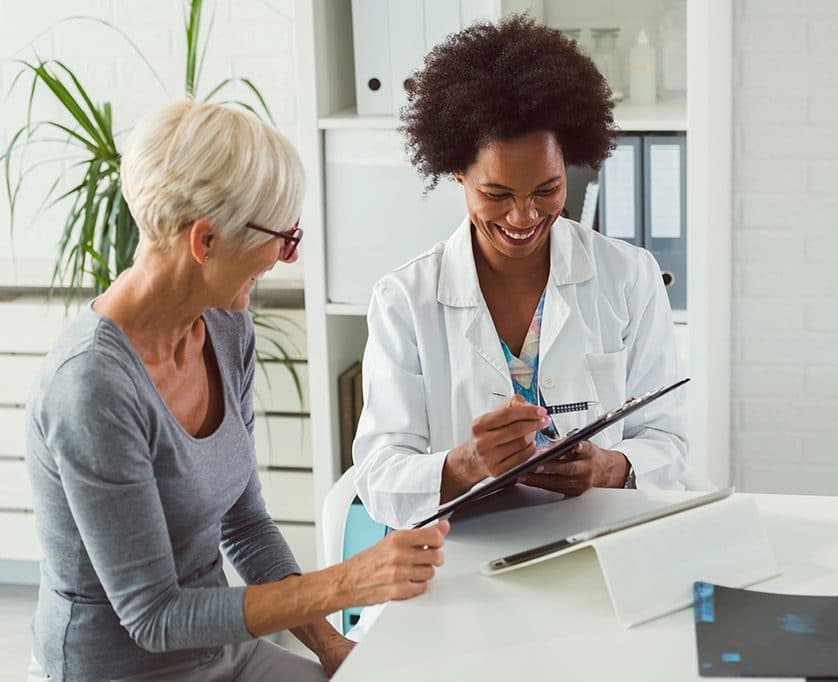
(442, 17)
(373, 73)
(407, 46)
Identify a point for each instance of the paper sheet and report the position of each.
(620, 211)
(665, 179)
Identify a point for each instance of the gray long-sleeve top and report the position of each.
(131, 510)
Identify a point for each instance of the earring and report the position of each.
(206, 258)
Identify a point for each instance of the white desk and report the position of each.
(554, 621)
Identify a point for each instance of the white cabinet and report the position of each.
(327, 112)
(30, 325)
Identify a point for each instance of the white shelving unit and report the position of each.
(337, 331)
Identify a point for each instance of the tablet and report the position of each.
(543, 551)
(564, 446)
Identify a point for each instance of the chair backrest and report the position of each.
(335, 511)
(347, 529)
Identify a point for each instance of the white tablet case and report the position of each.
(649, 569)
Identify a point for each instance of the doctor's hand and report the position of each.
(587, 466)
(499, 440)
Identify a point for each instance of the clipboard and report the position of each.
(564, 446)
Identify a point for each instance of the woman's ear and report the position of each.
(202, 240)
(458, 176)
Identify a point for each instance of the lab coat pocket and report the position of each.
(608, 373)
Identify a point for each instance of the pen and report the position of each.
(571, 407)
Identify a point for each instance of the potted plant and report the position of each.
(99, 235)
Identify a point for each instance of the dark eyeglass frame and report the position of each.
(291, 238)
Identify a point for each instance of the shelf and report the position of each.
(349, 118)
(663, 116)
(351, 309)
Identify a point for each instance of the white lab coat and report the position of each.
(434, 363)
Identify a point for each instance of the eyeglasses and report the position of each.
(291, 238)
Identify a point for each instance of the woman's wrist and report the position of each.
(297, 600)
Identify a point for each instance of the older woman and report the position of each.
(140, 437)
(523, 325)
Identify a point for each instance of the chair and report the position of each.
(347, 529)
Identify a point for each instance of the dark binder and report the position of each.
(744, 633)
(665, 210)
(621, 191)
(347, 412)
(562, 447)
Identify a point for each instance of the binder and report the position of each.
(371, 38)
(442, 17)
(665, 214)
(472, 11)
(621, 191)
(348, 412)
(407, 46)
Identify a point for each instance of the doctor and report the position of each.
(520, 310)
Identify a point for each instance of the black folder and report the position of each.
(744, 633)
(562, 447)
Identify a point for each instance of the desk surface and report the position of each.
(554, 621)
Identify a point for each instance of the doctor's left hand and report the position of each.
(588, 466)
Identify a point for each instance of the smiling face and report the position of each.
(241, 266)
(515, 190)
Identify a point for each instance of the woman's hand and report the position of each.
(499, 440)
(587, 466)
(397, 567)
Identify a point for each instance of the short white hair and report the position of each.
(192, 160)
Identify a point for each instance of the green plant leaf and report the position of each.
(250, 86)
(193, 28)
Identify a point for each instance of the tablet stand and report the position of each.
(649, 569)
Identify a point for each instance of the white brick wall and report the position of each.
(252, 38)
(785, 306)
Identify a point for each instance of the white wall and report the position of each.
(785, 241)
(252, 38)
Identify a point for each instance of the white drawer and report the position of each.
(33, 325)
(12, 431)
(15, 492)
(289, 495)
(20, 540)
(303, 542)
(277, 392)
(292, 322)
(283, 441)
(17, 372)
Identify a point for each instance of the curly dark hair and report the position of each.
(500, 81)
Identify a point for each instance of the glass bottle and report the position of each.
(672, 52)
(606, 60)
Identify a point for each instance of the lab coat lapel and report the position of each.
(459, 288)
(569, 265)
